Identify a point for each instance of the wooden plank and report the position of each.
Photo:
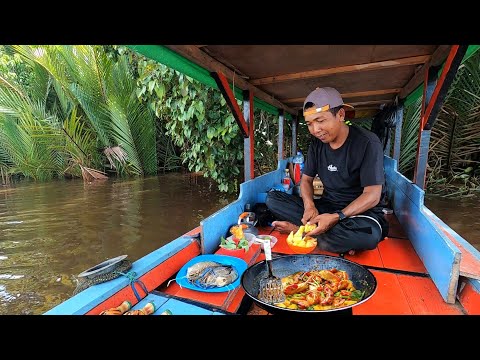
(351, 94)
(228, 300)
(157, 300)
(367, 258)
(220, 300)
(439, 255)
(423, 297)
(400, 255)
(199, 57)
(470, 260)
(105, 295)
(437, 58)
(229, 97)
(178, 307)
(152, 279)
(414, 60)
(372, 102)
(249, 142)
(388, 298)
(469, 296)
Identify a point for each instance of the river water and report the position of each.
(460, 214)
(51, 232)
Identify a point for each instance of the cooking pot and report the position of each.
(282, 266)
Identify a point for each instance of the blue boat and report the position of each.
(422, 267)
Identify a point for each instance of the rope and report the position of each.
(131, 275)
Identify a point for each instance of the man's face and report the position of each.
(324, 125)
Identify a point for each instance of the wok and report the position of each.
(286, 265)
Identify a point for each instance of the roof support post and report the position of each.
(227, 93)
(398, 132)
(249, 142)
(280, 134)
(294, 135)
(433, 97)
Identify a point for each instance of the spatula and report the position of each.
(270, 287)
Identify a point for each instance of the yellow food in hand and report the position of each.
(309, 227)
(296, 238)
(299, 233)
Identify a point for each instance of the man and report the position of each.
(349, 161)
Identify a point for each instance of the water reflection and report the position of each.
(460, 214)
(51, 232)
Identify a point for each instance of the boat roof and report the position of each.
(369, 77)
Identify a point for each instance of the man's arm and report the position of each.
(306, 189)
(369, 198)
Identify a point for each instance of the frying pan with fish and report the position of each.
(286, 265)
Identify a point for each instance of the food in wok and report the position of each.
(319, 290)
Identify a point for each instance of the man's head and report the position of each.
(324, 114)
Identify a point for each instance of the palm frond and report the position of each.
(409, 137)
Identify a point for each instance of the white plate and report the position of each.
(259, 238)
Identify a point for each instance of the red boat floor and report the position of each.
(403, 286)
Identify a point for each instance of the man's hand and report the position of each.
(324, 223)
(309, 214)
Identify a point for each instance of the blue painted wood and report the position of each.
(387, 146)
(217, 225)
(157, 300)
(475, 284)
(422, 159)
(438, 253)
(412, 191)
(96, 294)
(177, 307)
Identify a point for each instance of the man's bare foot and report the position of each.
(284, 227)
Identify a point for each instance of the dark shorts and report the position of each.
(361, 232)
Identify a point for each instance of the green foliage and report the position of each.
(63, 108)
(454, 156)
(455, 140)
(104, 90)
(13, 68)
(266, 147)
(197, 120)
(409, 139)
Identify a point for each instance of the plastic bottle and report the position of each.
(298, 164)
(287, 180)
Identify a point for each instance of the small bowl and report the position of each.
(301, 249)
(259, 238)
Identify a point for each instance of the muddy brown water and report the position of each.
(460, 214)
(51, 232)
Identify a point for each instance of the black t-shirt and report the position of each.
(347, 170)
